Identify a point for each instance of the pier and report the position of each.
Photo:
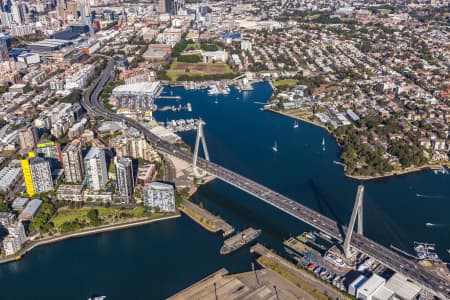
(300, 277)
(206, 219)
(169, 97)
(263, 284)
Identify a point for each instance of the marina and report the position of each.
(187, 107)
(425, 252)
(181, 125)
(239, 240)
(218, 89)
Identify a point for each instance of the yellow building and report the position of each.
(28, 178)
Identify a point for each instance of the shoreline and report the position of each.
(84, 232)
(410, 170)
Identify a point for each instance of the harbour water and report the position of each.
(155, 261)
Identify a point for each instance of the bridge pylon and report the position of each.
(200, 136)
(357, 212)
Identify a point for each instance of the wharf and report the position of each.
(205, 219)
(169, 97)
(262, 284)
(259, 249)
(297, 245)
(300, 277)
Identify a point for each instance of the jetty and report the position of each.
(311, 285)
(169, 97)
(262, 284)
(206, 219)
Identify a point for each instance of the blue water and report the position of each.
(157, 260)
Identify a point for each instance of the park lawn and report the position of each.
(313, 17)
(194, 46)
(384, 11)
(7, 153)
(285, 82)
(66, 214)
(179, 68)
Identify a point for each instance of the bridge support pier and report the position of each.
(200, 136)
(357, 212)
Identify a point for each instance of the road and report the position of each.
(424, 277)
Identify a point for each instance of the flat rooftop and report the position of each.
(242, 286)
(141, 87)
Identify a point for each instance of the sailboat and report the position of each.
(295, 124)
(275, 147)
(323, 144)
(216, 102)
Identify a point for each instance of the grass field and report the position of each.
(384, 11)
(179, 68)
(285, 82)
(66, 214)
(195, 46)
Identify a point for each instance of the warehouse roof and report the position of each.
(32, 207)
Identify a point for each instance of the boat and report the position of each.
(213, 90)
(323, 144)
(295, 124)
(97, 298)
(189, 107)
(428, 224)
(442, 171)
(237, 241)
(275, 147)
(448, 250)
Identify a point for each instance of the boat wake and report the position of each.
(428, 224)
(428, 196)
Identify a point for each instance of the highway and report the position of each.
(424, 277)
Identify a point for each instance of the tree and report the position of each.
(4, 206)
(209, 47)
(93, 217)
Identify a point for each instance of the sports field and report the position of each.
(194, 69)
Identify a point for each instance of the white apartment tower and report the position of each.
(95, 168)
